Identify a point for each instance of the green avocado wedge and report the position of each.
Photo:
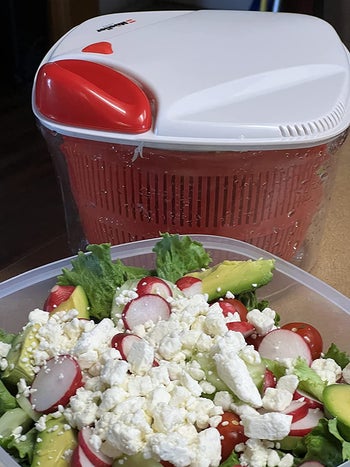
(20, 357)
(54, 443)
(235, 276)
(336, 400)
(78, 301)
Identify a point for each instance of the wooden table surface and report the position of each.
(333, 262)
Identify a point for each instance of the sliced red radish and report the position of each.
(189, 286)
(226, 307)
(297, 409)
(254, 340)
(79, 458)
(123, 342)
(243, 327)
(153, 285)
(303, 426)
(269, 380)
(311, 401)
(283, 343)
(97, 458)
(55, 383)
(233, 305)
(145, 308)
(58, 294)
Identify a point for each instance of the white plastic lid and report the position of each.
(218, 78)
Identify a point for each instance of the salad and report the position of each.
(180, 366)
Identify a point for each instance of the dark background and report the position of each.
(32, 215)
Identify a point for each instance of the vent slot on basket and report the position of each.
(321, 125)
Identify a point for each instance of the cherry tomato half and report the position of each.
(232, 305)
(310, 334)
(254, 340)
(231, 432)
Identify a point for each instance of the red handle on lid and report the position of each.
(85, 94)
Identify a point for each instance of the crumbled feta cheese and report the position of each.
(4, 349)
(250, 355)
(259, 453)
(276, 399)
(270, 426)
(223, 399)
(38, 316)
(3, 364)
(288, 382)
(170, 346)
(114, 372)
(327, 369)
(263, 321)
(234, 373)
(346, 373)
(215, 323)
(230, 343)
(141, 357)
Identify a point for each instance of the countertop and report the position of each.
(332, 263)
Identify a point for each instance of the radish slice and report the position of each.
(123, 342)
(79, 458)
(153, 285)
(311, 401)
(58, 294)
(269, 380)
(243, 327)
(303, 426)
(189, 286)
(297, 409)
(55, 383)
(145, 308)
(97, 458)
(282, 343)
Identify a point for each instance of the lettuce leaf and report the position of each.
(21, 449)
(309, 380)
(342, 358)
(177, 256)
(321, 445)
(6, 337)
(99, 276)
(7, 400)
(231, 461)
(277, 368)
(333, 429)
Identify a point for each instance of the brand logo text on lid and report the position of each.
(115, 25)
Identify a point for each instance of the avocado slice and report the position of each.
(336, 400)
(235, 276)
(52, 444)
(13, 419)
(78, 301)
(20, 357)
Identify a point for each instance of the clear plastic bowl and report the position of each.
(293, 293)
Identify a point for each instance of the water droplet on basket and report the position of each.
(291, 213)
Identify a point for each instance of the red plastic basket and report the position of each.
(267, 198)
